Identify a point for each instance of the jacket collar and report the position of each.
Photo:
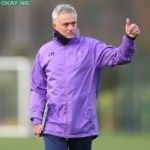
(65, 41)
(62, 39)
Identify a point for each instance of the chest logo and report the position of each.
(51, 54)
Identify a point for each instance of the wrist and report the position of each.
(131, 38)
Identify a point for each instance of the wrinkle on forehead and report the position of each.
(66, 17)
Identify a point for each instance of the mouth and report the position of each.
(71, 34)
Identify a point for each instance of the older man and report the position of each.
(65, 78)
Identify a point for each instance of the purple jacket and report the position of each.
(67, 77)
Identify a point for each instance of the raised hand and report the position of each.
(132, 30)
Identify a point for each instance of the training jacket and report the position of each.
(68, 77)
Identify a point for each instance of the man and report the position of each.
(66, 75)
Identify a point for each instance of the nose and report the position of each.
(70, 27)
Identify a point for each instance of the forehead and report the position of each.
(64, 17)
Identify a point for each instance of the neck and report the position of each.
(61, 38)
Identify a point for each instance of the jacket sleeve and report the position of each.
(107, 55)
(37, 91)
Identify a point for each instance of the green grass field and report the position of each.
(103, 142)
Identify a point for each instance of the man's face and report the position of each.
(66, 24)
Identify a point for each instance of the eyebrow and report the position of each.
(67, 23)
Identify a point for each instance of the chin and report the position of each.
(70, 37)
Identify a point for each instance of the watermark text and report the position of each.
(14, 2)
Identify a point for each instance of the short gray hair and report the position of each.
(62, 8)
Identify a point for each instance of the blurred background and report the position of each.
(124, 101)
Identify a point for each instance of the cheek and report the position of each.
(60, 29)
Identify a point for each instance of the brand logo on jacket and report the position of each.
(14, 2)
(51, 54)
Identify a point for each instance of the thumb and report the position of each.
(128, 22)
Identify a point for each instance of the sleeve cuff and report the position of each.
(130, 37)
(36, 121)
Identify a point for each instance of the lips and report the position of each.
(70, 34)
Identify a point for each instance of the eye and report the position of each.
(66, 24)
(73, 23)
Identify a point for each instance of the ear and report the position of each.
(53, 25)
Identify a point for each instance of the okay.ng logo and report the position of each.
(14, 2)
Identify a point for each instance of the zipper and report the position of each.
(67, 109)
